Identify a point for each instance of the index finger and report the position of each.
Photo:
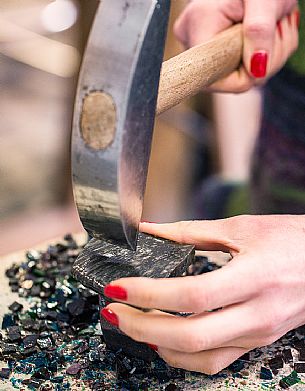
(231, 284)
(204, 235)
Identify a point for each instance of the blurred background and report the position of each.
(41, 46)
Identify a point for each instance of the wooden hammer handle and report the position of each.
(189, 72)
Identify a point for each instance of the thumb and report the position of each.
(259, 32)
(213, 235)
(202, 20)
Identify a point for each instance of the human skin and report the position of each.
(270, 31)
(259, 294)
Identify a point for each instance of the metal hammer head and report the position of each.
(114, 115)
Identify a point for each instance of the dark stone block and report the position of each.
(172, 387)
(176, 373)
(299, 367)
(276, 362)
(15, 307)
(74, 369)
(42, 373)
(302, 354)
(102, 262)
(245, 357)
(13, 333)
(5, 373)
(162, 376)
(236, 366)
(298, 344)
(76, 307)
(7, 348)
(32, 383)
(115, 340)
(29, 351)
(287, 356)
(57, 379)
(265, 374)
(8, 321)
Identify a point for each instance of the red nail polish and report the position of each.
(259, 64)
(279, 28)
(289, 19)
(110, 316)
(153, 347)
(115, 292)
(297, 18)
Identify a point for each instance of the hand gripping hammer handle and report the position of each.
(191, 71)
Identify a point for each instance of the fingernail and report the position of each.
(297, 18)
(110, 316)
(148, 222)
(153, 347)
(289, 19)
(279, 28)
(115, 292)
(259, 64)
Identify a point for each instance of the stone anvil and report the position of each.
(104, 261)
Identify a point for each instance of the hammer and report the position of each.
(120, 91)
(122, 86)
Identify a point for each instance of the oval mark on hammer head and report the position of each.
(98, 120)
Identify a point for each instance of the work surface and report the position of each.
(245, 375)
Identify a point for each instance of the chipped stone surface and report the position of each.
(102, 262)
(246, 379)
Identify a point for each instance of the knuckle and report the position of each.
(241, 223)
(239, 220)
(193, 342)
(147, 299)
(258, 30)
(135, 331)
(271, 282)
(259, 225)
(198, 6)
(188, 341)
(235, 9)
(244, 86)
(184, 227)
(179, 29)
(197, 300)
(269, 326)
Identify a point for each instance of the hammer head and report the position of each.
(114, 115)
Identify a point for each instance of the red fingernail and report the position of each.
(110, 316)
(259, 64)
(153, 347)
(289, 19)
(279, 28)
(297, 18)
(115, 292)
